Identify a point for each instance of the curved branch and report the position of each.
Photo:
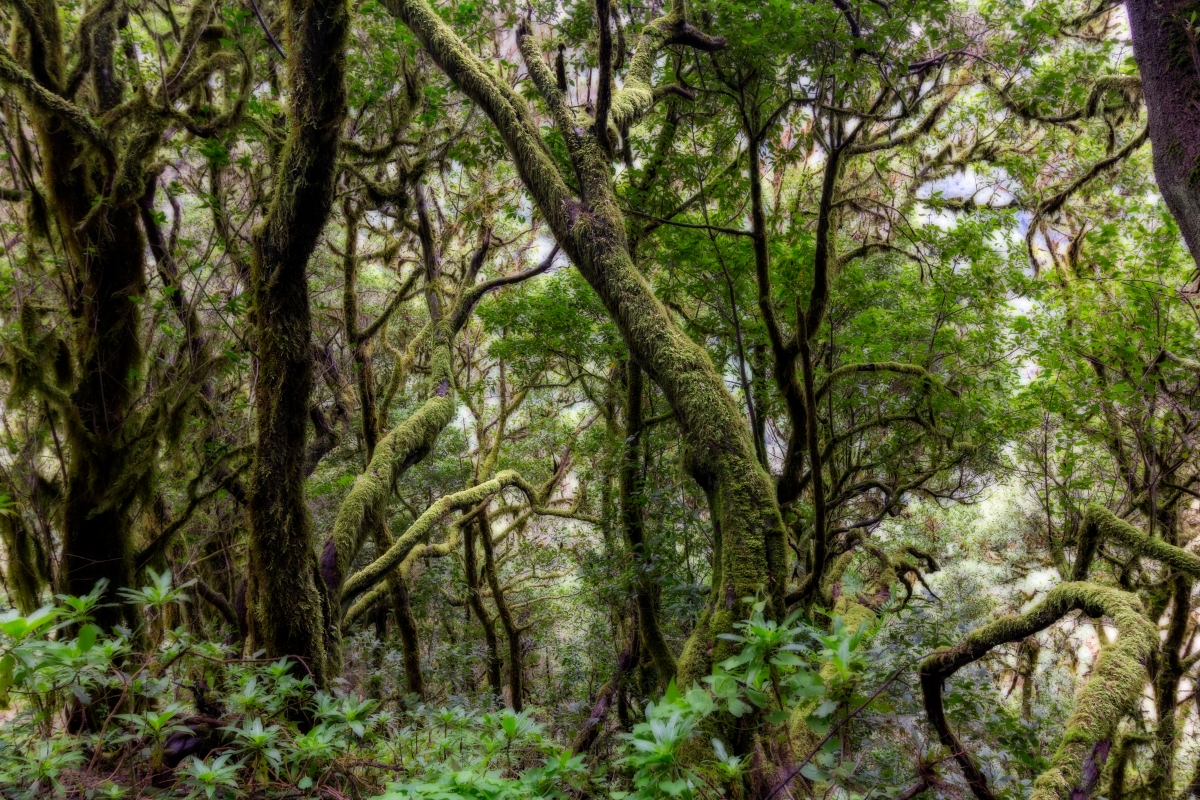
(637, 95)
(897, 367)
(1113, 687)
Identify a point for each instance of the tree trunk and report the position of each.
(471, 567)
(632, 514)
(289, 602)
(105, 255)
(516, 664)
(1169, 62)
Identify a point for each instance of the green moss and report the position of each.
(1112, 689)
(1100, 524)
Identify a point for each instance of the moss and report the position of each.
(290, 606)
(802, 738)
(719, 452)
(1100, 524)
(1111, 690)
(422, 527)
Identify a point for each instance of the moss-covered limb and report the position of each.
(1100, 524)
(1112, 689)
(1190, 364)
(423, 526)
(402, 362)
(412, 440)
(290, 607)
(632, 518)
(403, 446)
(544, 81)
(719, 450)
(404, 570)
(503, 106)
(894, 367)
(49, 103)
(636, 95)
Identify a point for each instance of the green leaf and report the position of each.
(86, 638)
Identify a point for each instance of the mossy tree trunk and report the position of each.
(475, 603)
(516, 664)
(288, 601)
(105, 274)
(749, 555)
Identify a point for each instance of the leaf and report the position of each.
(813, 772)
(6, 676)
(737, 708)
(86, 638)
(785, 659)
(825, 709)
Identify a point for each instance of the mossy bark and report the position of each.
(719, 452)
(516, 664)
(104, 249)
(475, 602)
(1111, 691)
(288, 600)
(363, 344)
(1163, 45)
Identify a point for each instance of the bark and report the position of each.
(614, 689)
(516, 664)
(363, 344)
(471, 567)
(632, 515)
(719, 452)
(1165, 46)
(105, 253)
(290, 608)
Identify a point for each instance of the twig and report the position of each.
(267, 30)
